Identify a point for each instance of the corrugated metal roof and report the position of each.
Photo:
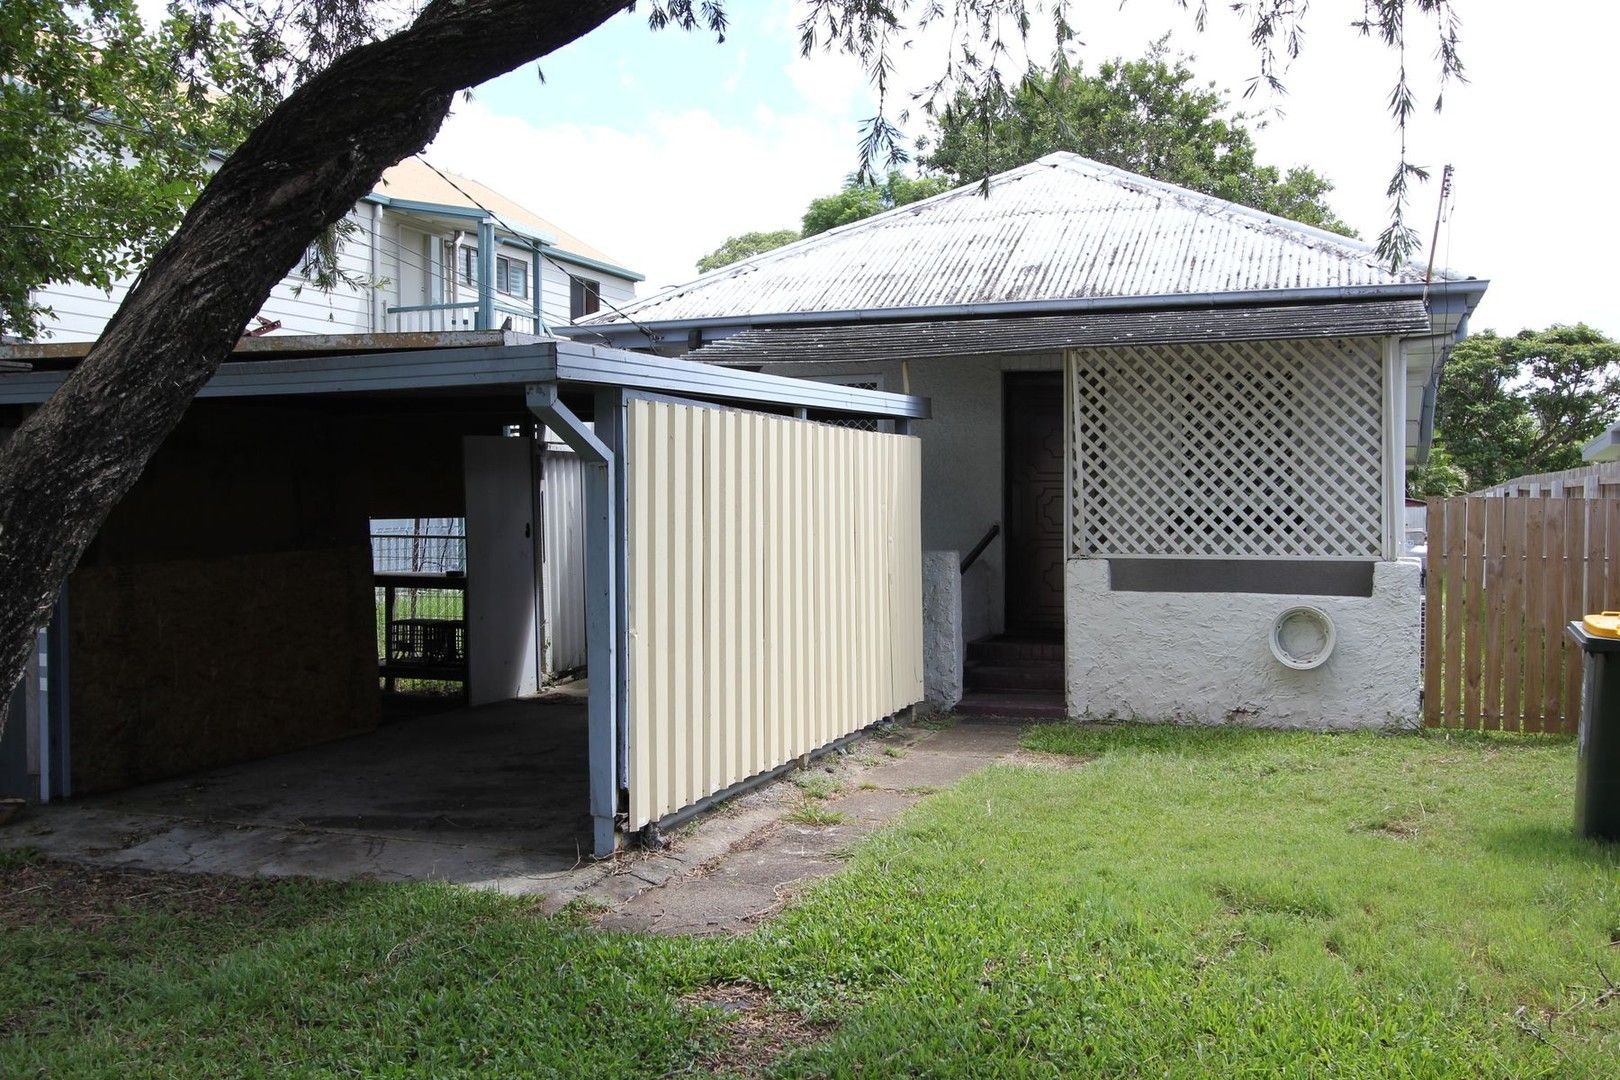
(979, 337)
(414, 180)
(1061, 228)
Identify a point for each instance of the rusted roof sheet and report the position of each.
(1061, 228)
(978, 337)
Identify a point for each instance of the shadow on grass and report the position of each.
(1549, 845)
(1181, 740)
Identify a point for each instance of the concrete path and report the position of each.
(760, 872)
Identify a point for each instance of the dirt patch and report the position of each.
(1040, 759)
(754, 1032)
(40, 892)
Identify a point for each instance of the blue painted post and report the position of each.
(486, 275)
(534, 284)
(602, 628)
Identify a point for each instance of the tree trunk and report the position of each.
(302, 169)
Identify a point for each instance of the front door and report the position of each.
(1032, 426)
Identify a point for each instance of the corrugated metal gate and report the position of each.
(774, 591)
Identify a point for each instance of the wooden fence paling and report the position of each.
(1553, 598)
(1452, 559)
(1433, 630)
(1473, 625)
(1495, 611)
(1535, 579)
(1506, 576)
(1574, 600)
(1513, 629)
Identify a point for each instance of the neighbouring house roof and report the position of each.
(1059, 230)
(414, 181)
(932, 339)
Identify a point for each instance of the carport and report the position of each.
(753, 583)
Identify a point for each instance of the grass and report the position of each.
(1186, 903)
(817, 784)
(810, 813)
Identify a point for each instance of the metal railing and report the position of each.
(430, 317)
(978, 549)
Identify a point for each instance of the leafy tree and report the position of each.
(1509, 406)
(862, 198)
(367, 83)
(856, 200)
(1436, 478)
(1147, 116)
(749, 244)
(103, 143)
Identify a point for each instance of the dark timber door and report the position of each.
(1032, 426)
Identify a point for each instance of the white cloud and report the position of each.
(659, 197)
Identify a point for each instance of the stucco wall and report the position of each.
(942, 627)
(1205, 658)
(961, 460)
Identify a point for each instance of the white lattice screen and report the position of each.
(1262, 449)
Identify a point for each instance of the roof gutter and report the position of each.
(1404, 291)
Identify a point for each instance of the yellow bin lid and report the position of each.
(1604, 624)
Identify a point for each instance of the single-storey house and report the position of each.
(1168, 440)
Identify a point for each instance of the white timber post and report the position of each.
(1394, 447)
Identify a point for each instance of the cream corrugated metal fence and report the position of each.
(775, 593)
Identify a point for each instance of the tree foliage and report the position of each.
(745, 246)
(863, 198)
(1510, 406)
(104, 138)
(857, 199)
(1149, 116)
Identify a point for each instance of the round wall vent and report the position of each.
(1302, 638)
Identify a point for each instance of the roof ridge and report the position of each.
(810, 243)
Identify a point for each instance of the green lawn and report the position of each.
(1187, 903)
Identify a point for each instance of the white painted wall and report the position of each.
(408, 275)
(503, 608)
(1205, 658)
(961, 460)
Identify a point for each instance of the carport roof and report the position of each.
(487, 361)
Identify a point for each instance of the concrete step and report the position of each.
(1043, 675)
(1013, 705)
(1009, 651)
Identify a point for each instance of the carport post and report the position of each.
(601, 628)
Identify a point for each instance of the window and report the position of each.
(511, 276)
(584, 297)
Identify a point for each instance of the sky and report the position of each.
(655, 147)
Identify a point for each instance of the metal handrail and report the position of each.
(392, 309)
(978, 549)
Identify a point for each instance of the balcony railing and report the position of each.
(421, 318)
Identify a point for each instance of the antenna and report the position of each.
(1434, 241)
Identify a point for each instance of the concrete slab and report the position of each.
(479, 796)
